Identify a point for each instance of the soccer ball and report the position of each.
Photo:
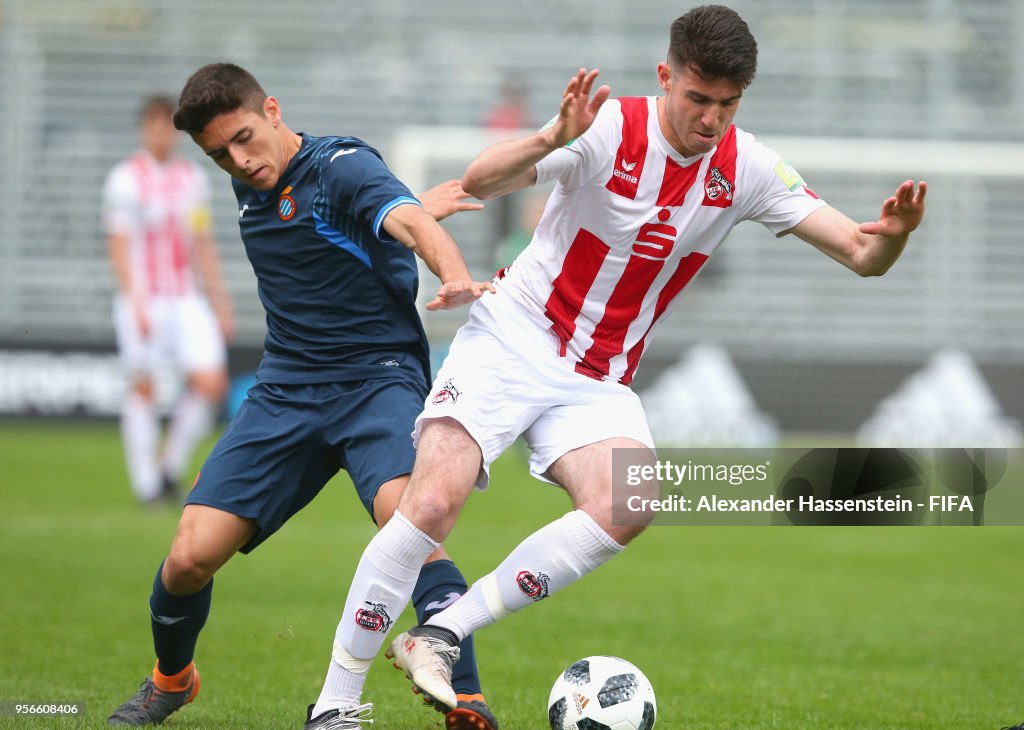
(602, 693)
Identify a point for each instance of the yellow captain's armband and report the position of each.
(200, 219)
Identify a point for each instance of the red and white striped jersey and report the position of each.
(631, 222)
(160, 207)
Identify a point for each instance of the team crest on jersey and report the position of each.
(286, 205)
(447, 393)
(717, 185)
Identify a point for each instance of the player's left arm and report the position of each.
(415, 228)
(868, 249)
(209, 266)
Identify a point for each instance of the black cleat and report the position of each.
(351, 718)
(170, 490)
(151, 705)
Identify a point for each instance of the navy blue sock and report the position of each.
(176, 622)
(439, 584)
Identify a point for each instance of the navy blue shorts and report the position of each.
(287, 441)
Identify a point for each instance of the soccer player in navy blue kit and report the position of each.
(331, 236)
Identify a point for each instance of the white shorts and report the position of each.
(183, 335)
(504, 377)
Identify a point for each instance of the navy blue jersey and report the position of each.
(339, 292)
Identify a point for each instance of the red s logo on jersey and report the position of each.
(655, 240)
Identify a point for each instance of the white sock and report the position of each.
(190, 423)
(380, 591)
(139, 434)
(545, 562)
(343, 686)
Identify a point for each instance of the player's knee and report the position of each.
(620, 520)
(432, 509)
(212, 385)
(142, 386)
(187, 569)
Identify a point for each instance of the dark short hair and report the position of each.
(215, 89)
(156, 105)
(715, 42)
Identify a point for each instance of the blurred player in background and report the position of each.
(157, 217)
(331, 236)
(646, 189)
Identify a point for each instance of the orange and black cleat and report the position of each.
(472, 713)
(151, 705)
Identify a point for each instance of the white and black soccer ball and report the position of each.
(602, 693)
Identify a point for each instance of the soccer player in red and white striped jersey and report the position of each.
(646, 190)
(157, 216)
(633, 220)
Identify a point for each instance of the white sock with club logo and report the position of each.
(381, 589)
(547, 561)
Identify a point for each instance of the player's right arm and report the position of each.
(364, 190)
(415, 228)
(511, 165)
(119, 199)
(446, 199)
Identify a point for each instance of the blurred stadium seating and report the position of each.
(818, 347)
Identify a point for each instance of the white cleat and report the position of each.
(349, 718)
(427, 659)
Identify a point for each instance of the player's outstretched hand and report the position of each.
(456, 293)
(901, 213)
(578, 110)
(447, 198)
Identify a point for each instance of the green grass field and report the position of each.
(736, 627)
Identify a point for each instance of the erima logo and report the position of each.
(339, 153)
(628, 167)
(242, 210)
